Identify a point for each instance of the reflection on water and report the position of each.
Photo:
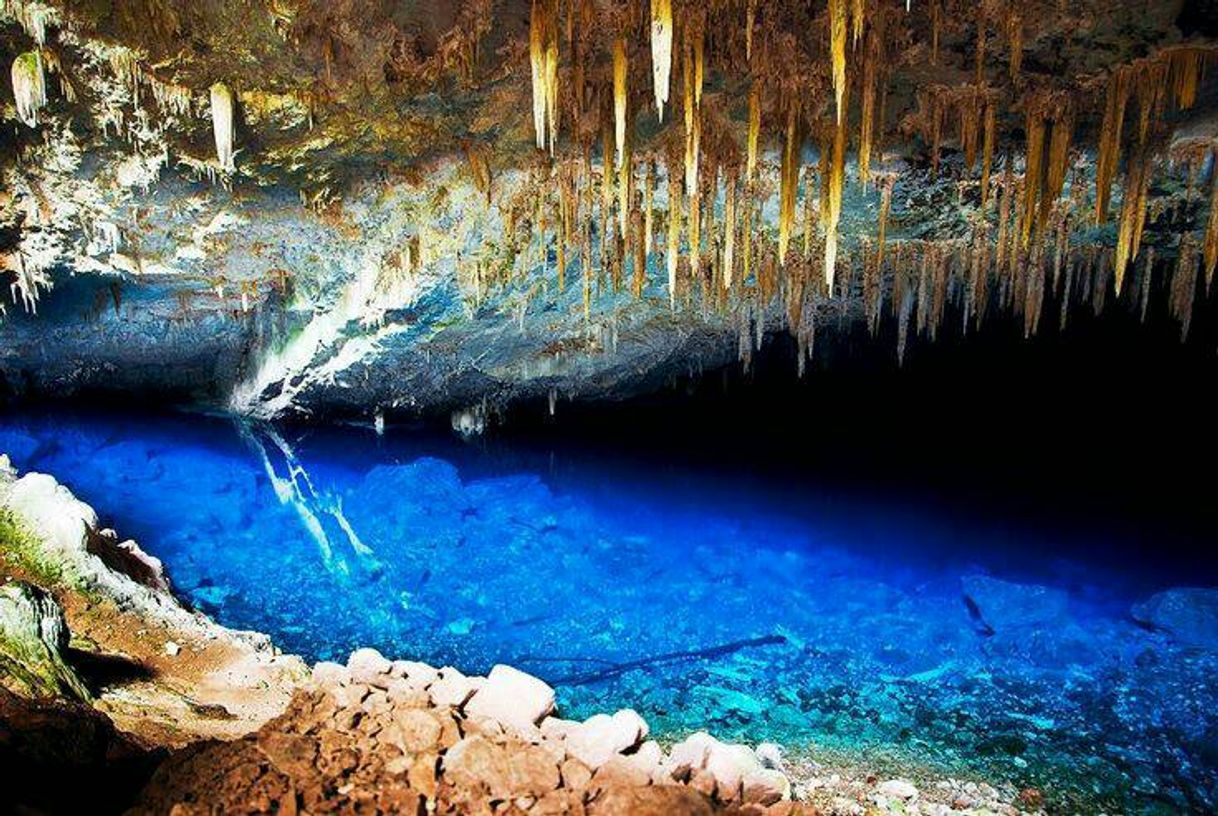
(802, 616)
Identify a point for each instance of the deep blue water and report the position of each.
(763, 610)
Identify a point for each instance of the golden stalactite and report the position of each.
(1108, 155)
(1033, 176)
(867, 106)
(1058, 160)
(619, 97)
(625, 190)
(809, 222)
(857, 19)
(729, 231)
(1006, 190)
(543, 59)
(1133, 215)
(935, 15)
(1211, 229)
(987, 151)
(1015, 43)
(694, 224)
(640, 252)
(837, 48)
(607, 195)
(661, 52)
(750, 22)
(836, 186)
(693, 119)
(754, 129)
(788, 181)
(649, 183)
(886, 188)
(673, 257)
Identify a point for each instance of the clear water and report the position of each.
(799, 614)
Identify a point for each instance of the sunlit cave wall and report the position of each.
(369, 208)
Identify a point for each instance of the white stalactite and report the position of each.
(29, 86)
(661, 51)
(222, 125)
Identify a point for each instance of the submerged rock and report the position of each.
(1003, 604)
(1189, 615)
(33, 639)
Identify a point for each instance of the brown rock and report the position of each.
(575, 774)
(653, 800)
(292, 754)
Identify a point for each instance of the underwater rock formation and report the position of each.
(1188, 615)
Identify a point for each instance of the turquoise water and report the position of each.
(795, 613)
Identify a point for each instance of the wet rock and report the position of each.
(512, 698)
(599, 738)
(1002, 604)
(33, 639)
(1188, 615)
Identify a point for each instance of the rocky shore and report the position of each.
(107, 677)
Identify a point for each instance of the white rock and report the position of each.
(556, 729)
(513, 699)
(770, 756)
(730, 764)
(766, 786)
(417, 675)
(368, 666)
(599, 738)
(451, 688)
(172, 649)
(690, 754)
(649, 758)
(331, 675)
(898, 789)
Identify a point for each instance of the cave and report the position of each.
(608, 406)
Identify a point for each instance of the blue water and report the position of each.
(796, 613)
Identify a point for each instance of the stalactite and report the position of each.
(1211, 228)
(934, 32)
(837, 178)
(29, 86)
(619, 98)
(987, 151)
(729, 231)
(750, 23)
(885, 206)
(222, 125)
(649, 183)
(543, 59)
(640, 252)
(625, 178)
(871, 67)
(1133, 216)
(1033, 171)
(809, 227)
(1006, 190)
(837, 46)
(1058, 159)
(1184, 284)
(1108, 155)
(661, 51)
(754, 129)
(1148, 269)
(1015, 42)
(674, 234)
(788, 182)
(857, 19)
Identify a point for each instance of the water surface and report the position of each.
(759, 608)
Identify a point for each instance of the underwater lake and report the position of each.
(847, 620)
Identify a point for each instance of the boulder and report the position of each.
(33, 639)
(418, 675)
(330, 675)
(451, 688)
(369, 666)
(1002, 604)
(689, 755)
(599, 738)
(1188, 615)
(730, 764)
(766, 786)
(513, 699)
